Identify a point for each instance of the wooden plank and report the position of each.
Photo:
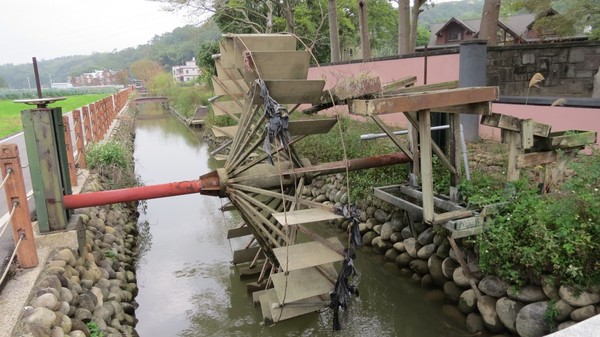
(452, 215)
(446, 205)
(290, 65)
(256, 296)
(508, 122)
(272, 313)
(567, 139)
(309, 254)
(224, 131)
(226, 108)
(396, 201)
(229, 73)
(536, 158)
(226, 50)
(305, 216)
(514, 150)
(247, 272)
(311, 126)
(265, 42)
(526, 133)
(302, 284)
(293, 91)
(480, 108)
(399, 84)
(422, 88)
(463, 233)
(426, 165)
(238, 232)
(425, 100)
(232, 88)
(244, 255)
(266, 300)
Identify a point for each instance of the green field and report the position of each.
(10, 112)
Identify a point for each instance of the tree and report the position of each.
(334, 37)
(489, 21)
(575, 16)
(3, 83)
(145, 69)
(365, 41)
(403, 27)
(414, 22)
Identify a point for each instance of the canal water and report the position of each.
(188, 286)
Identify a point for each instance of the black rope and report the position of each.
(343, 289)
(350, 212)
(278, 121)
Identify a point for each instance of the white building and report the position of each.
(186, 73)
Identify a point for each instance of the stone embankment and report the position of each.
(427, 258)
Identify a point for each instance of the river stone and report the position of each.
(77, 333)
(399, 246)
(88, 301)
(565, 325)
(438, 239)
(380, 215)
(57, 332)
(563, 310)
(386, 230)
(489, 316)
(403, 260)
(527, 294)
(448, 267)
(99, 295)
(426, 237)
(56, 263)
(434, 263)
(576, 298)
(39, 316)
(66, 295)
(396, 237)
(362, 227)
(412, 246)
(368, 237)
(460, 278)
(416, 278)
(426, 251)
(109, 238)
(530, 320)
(583, 313)
(452, 292)
(406, 232)
(47, 300)
(127, 308)
(419, 266)
(320, 198)
(474, 323)
(507, 310)
(65, 323)
(443, 250)
(493, 285)
(467, 301)
(78, 325)
(550, 288)
(427, 281)
(50, 282)
(391, 255)
(66, 255)
(397, 223)
(377, 229)
(102, 313)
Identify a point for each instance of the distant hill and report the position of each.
(169, 49)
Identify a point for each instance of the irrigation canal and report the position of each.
(188, 286)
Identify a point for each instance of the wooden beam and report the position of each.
(425, 100)
(426, 165)
(392, 136)
(514, 124)
(400, 84)
(536, 158)
(514, 150)
(419, 88)
(452, 215)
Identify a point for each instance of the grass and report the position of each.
(10, 112)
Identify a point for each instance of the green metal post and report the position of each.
(46, 173)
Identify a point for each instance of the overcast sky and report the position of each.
(49, 29)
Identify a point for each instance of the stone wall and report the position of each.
(568, 68)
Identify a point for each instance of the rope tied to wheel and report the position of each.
(278, 121)
(343, 289)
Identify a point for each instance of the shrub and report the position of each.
(110, 153)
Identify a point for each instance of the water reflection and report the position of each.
(188, 286)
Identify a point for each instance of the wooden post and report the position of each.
(70, 158)
(15, 192)
(426, 164)
(455, 155)
(513, 138)
(79, 142)
(95, 122)
(87, 125)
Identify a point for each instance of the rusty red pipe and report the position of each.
(132, 194)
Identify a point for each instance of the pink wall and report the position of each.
(444, 68)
